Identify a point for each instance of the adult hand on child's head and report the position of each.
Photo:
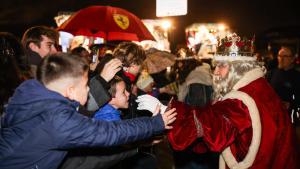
(150, 103)
(110, 69)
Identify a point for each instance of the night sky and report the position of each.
(245, 17)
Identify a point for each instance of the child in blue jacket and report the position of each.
(119, 100)
(42, 122)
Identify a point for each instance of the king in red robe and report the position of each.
(249, 127)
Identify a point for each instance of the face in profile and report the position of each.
(81, 89)
(134, 69)
(221, 70)
(121, 97)
(47, 47)
(221, 80)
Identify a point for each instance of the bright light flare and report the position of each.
(221, 27)
(166, 24)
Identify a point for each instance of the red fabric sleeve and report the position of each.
(220, 122)
(184, 131)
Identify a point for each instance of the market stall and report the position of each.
(202, 38)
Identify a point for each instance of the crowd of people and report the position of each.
(76, 110)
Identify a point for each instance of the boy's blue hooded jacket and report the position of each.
(41, 125)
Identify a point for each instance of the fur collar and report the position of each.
(248, 78)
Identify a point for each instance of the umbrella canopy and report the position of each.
(107, 22)
(158, 60)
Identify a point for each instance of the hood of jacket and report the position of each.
(201, 74)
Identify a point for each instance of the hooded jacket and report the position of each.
(197, 87)
(41, 125)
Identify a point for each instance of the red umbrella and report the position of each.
(107, 22)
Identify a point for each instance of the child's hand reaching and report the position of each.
(168, 117)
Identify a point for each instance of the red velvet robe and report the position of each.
(228, 123)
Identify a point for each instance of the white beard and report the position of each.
(222, 86)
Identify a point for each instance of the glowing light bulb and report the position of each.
(166, 24)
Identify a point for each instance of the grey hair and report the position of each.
(237, 69)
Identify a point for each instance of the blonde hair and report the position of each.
(237, 69)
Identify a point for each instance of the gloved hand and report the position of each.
(147, 102)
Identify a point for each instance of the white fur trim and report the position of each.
(227, 155)
(222, 164)
(234, 58)
(248, 78)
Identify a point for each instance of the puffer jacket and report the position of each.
(41, 125)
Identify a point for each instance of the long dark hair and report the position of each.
(11, 56)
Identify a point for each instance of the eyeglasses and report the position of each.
(284, 56)
(220, 64)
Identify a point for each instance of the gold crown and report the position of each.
(233, 48)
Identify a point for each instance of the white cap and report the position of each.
(144, 80)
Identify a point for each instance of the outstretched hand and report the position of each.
(168, 117)
(150, 103)
(110, 69)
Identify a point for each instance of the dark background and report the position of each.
(244, 17)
